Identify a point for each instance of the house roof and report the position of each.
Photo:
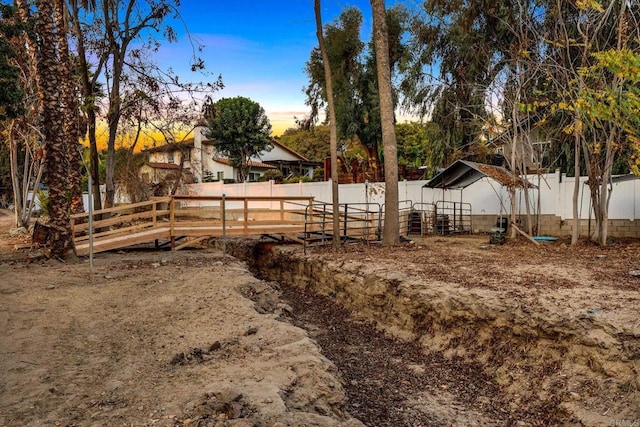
(172, 146)
(189, 142)
(163, 165)
(623, 178)
(251, 163)
(291, 150)
(463, 173)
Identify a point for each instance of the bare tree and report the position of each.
(119, 36)
(597, 83)
(89, 86)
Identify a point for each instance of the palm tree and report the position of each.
(53, 113)
(71, 128)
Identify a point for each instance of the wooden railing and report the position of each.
(125, 219)
(189, 216)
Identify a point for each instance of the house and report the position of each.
(532, 148)
(198, 159)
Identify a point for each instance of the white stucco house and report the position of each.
(199, 161)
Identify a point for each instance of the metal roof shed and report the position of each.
(463, 173)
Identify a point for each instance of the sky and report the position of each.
(259, 47)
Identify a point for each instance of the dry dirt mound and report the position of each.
(154, 339)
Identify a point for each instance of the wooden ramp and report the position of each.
(121, 241)
(184, 220)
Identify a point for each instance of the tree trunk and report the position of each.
(373, 160)
(117, 50)
(113, 117)
(333, 134)
(71, 128)
(94, 160)
(575, 234)
(15, 181)
(52, 116)
(605, 189)
(514, 162)
(391, 234)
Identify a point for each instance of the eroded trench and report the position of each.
(427, 357)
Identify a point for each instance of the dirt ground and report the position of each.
(192, 338)
(153, 338)
(517, 334)
(506, 335)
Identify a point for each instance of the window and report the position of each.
(170, 157)
(220, 176)
(254, 176)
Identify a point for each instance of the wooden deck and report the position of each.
(183, 220)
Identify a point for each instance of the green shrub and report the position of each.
(272, 175)
(43, 199)
(296, 179)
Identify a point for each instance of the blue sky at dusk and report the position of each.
(259, 47)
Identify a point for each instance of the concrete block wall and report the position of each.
(553, 225)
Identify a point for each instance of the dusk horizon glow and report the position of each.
(260, 51)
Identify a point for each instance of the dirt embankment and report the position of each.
(554, 329)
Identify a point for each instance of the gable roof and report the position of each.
(290, 150)
(189, 143)
(463, 173)
(155, 165)
(172, 146)
(251, 163)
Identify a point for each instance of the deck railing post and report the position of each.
(172, 220)
(90, 202)
(346, 215)
(281, 209)
(246, 216)
(324, 222)
(223, 214)
(380, 217)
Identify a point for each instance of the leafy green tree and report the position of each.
(11, 105)
(458, 50)
(11, 94)
(355, 78)
(240, 130)
(21, 128)
(312, 143)
(272, 175)
(413, 144)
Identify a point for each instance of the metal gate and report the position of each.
(452, 217)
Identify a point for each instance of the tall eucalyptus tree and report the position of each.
(391, 231)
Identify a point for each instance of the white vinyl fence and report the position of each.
(553, 195)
